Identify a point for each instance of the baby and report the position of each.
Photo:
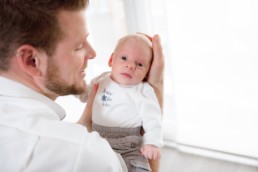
(124, 103)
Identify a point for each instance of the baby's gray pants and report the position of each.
(127, 142)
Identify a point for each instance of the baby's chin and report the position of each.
(127, 83)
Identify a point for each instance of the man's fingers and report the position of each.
(157, 51)
(86, 116)
(90, 100)
(156, 71)
(148, 36)
(92, 93)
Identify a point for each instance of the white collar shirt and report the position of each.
(33, 137)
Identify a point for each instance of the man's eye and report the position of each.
(79, 47)
(123, 58)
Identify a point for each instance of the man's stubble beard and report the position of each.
(55, 84)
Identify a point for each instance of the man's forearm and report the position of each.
(159, 93)
(154, 164)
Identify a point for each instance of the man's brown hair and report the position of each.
(32, 22)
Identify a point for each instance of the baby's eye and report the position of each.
(123, 58)
(139, 64)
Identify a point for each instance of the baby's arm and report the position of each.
(150, 152)
(155, 79)
(152, 122)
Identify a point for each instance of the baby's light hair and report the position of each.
(142, 37)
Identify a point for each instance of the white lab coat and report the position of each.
(33, 138)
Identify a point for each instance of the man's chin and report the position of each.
(80, 89)
(68, 90)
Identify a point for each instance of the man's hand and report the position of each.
(155, 76)
(86, 118)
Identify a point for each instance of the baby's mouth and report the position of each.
(126, 75)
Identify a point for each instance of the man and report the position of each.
(43, 54)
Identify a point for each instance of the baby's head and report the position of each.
(131, 59)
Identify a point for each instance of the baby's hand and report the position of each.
(150, 152)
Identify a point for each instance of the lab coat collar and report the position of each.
(15, 89)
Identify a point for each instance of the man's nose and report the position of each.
(90, 52)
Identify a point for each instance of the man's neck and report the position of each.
(29, 82)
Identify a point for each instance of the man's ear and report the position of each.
(110, 60)
(28, 61)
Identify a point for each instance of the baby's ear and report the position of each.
(110, 60)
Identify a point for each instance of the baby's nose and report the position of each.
(131, 66)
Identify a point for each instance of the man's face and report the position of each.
(66, 68)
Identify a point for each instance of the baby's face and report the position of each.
(131, 62)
